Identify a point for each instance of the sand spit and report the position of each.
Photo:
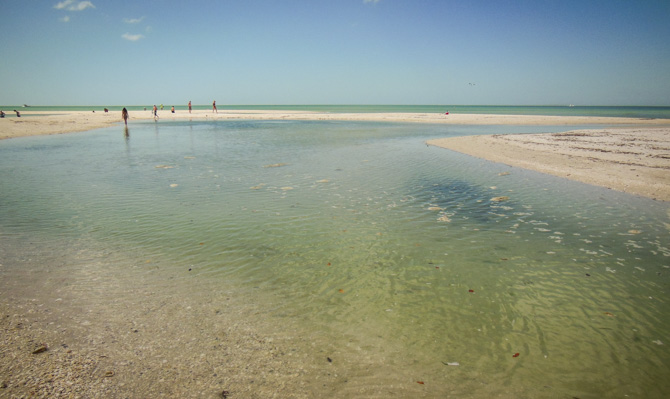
(632, 160)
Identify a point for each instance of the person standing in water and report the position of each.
(214, 107)
(189, 107)
(124, 115)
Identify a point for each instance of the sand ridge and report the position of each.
(632, 160)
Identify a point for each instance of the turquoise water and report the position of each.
(620, 111)
(397, 257)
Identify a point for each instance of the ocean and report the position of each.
(607, 111)
(366, 263)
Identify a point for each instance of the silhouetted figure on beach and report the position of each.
(18, 114)
(189, 107)
(214, 107)
(2, 114)
(172, 109)
(124, 115)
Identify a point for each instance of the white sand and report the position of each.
(632, 160)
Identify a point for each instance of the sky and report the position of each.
(406, 52)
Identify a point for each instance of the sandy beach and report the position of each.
(632, 160)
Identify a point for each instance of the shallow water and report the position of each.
(391, 258)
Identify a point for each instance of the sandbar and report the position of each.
(629, 159)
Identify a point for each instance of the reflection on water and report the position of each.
(400, 259)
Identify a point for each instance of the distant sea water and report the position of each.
(607, 111)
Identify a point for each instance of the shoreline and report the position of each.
(631, 160)
(35, 123)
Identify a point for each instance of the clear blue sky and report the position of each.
(514, 52)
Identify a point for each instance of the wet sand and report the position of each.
(632, 160)
(85, 323)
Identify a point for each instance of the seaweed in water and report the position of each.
(460, 195)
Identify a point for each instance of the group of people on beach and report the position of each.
(2, 114)
(124, 111)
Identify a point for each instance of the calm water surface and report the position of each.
(405, 259)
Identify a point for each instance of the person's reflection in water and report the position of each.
(126, 133)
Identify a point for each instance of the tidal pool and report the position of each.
(377, 266)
